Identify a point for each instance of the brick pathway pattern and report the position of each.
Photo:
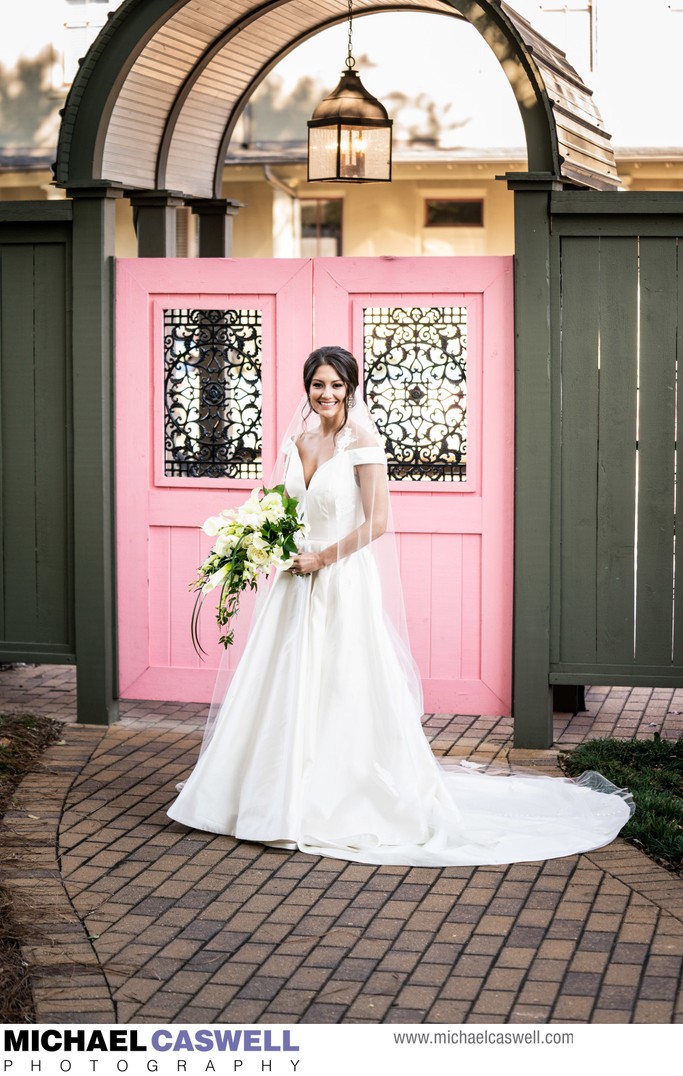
(141, 920)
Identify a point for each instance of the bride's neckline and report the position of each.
(307, 485)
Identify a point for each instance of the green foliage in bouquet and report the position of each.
(249, 541)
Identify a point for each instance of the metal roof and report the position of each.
(156, 99)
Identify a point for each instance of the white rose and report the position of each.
(258, 556)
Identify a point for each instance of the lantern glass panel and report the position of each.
(322, 152)
(349, 152)
(365, 153)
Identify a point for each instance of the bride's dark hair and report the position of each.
(340, 360)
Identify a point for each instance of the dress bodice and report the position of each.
(331, 504)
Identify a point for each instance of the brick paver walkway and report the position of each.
(138, 919)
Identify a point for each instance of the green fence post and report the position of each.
(532, 694)
(93, 391)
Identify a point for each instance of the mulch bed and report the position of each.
(23, 738)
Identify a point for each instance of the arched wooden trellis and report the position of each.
(150, 114)
(155, 102)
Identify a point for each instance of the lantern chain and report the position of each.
(350, 62)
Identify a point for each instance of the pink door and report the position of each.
(209, 357)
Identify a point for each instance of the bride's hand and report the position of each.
(306, 563)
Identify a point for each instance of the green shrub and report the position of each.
(653, 772)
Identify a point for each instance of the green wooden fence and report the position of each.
(599, 403)
(599, 570)
(36, 450)
(56, 478)
(617, 613)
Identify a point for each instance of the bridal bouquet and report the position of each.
(249, 540)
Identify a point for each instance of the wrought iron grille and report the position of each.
(212, 391)
(415, 386)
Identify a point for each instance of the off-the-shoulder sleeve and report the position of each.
(286, 447)
(371, 454)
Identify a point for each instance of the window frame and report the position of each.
(317, 199)
(476, 199)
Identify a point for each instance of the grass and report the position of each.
(23, 738)
(653, 771)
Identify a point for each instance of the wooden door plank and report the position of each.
(617, 452)
(134, 342)
(54, 504)
(470, 566)
(446, 606)
(656, 440)
(19, 465)
(177, 571)
(494, 444)
(578, 479)
(160, 602)
(416, 566)
(678, 566)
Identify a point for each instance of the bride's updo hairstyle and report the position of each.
(340, 360)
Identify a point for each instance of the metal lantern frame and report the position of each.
(350, 133)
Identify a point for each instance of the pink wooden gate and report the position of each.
(455, 536)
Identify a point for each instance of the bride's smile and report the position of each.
(327, 393)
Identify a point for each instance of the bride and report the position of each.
(317, 744)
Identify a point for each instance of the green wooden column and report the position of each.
(214, 218)
(93, 394)
(155, 222)
(532, 694)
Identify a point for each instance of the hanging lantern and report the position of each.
(349, 134)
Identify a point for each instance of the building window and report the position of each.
(321, 227)
(82, 23)
(454, 212)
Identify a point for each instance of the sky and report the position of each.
(435, 72)
(428, 70)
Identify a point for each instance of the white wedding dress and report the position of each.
(318, 743)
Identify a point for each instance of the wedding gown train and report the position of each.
(318, 744)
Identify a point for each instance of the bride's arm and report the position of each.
(375, 499)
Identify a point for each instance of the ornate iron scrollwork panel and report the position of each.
(212, 392)
(415, 386)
